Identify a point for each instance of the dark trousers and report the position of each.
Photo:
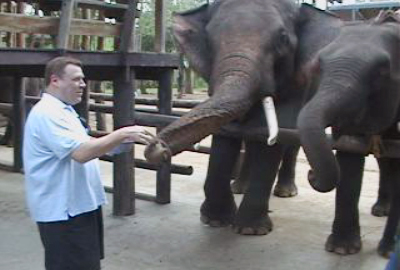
(74, 244)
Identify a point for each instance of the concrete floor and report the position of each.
(171, 237)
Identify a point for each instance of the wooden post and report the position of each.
(124, 85)
(84, 44)
(98, 86)
(100, 40)
(65, 24)
(160, 26)
(9, 36)
(19, 121)
(20, 37)
(124, 178)
(163, 186)
(128, 28)
(86, 39)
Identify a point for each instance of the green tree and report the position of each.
(146, 31)
(147, 19)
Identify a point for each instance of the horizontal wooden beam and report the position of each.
(143, 164)
(136, 195)
(97, 65)
(18, 23)
(95, 4)
(25, 57)
(187, 104)
(5, 108)
(141, 118)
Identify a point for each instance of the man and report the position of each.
(63, 185)
(394, 259)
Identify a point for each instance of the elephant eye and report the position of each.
(282, 42)
(283, 39)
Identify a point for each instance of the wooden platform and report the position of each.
(97, 65)
(123, 66)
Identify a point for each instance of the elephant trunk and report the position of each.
(234, 95)
(235, 86)
(311, 124)
(335, 94)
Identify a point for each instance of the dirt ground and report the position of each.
(171, 237)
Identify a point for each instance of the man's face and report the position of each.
(70, 85)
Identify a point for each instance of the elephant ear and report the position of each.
(315, 29)
(189, 30)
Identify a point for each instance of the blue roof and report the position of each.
(377, 5)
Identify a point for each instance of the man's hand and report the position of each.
(100, 146)
(133, 134)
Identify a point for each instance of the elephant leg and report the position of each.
(345, 238)
(386, 245)
(219, 208)
(252, 217)
(382, 205)
(241, 181)
(286, 186)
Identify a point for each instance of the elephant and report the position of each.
(232, 45)
(247, 51)
(361, 65)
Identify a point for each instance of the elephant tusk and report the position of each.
(196, 146)
(272, 121)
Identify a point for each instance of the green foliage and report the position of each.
(147, 29)
(147, 19)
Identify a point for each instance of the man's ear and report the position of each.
(190, 34)
(54, 79)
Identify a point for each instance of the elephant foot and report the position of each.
(262, 226)
(218, 216)
(343, 245)
(238, 187)
(385, 248)
(381, 208)
(285, 190)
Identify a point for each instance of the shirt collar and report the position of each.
(52, 99)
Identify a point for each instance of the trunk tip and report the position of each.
(319, 186)
(157, 152)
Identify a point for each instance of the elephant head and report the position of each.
(358, 93)
(244, 50)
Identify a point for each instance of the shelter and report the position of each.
(79, 28)
(352, 10)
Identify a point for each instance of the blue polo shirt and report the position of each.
(57, 186)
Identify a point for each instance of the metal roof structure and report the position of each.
(362, 9)
(366, 5)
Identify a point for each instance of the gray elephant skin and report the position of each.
(246, 51)
(358, 93)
